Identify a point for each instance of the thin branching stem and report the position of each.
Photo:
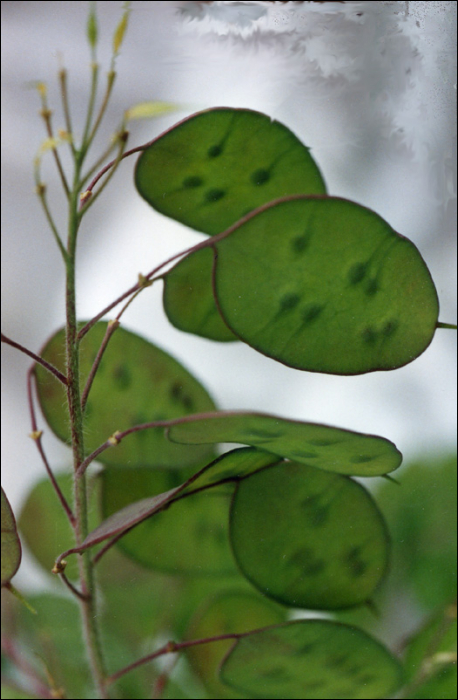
(86, 570)
(99, 162)
(116, 438)
(91, 103)
(46, 114)
(87, 198)
(66, 106)
(150, 277)
(48, 366)
(112, 326)
(36, 435)
(17, 658)
(109, 165)
(71, 587)
(108, 546)
(106, 98)
(90, 458)
(41, 192)
(162, 680)
(451, 326)
(171, 648)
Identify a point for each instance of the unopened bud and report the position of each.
(59, 567)
(143, 281)
(40, 189)
(114, 439)
(84, 196)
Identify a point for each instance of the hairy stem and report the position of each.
(35, 357)
(86, 573)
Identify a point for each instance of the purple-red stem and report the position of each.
(61, 377)
(140, 285)
(109, 332)
(18, 659)
(170, 648)
(37, 439)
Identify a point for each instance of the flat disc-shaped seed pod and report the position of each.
(231, 611)
(317, 659)
(308, 538)
(216, 166)
(190, 537)
(135, 383)
(325, 285)
(130, 487)
(323, 446)
(11, 545)
(188, 298)
(236, 464)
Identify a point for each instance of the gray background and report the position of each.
(369, 86)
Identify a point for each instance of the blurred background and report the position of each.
(370, 87)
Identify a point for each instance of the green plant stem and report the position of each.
(65, 105)
(87, 199)
(106, 98)
(451, 326)
(46, 114)
(109, 165)
(144, 282)
(41, 192)
(86, 573)
(98, 164)
(92, 96)
(112, 326)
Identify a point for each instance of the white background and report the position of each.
(369, 86)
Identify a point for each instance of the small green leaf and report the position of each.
(234, 611)
(325, 447)
(325, 285)
(188, 298)
(136, 383)
(11, 544)
(308, 538)
(216, 166)
(311, 659)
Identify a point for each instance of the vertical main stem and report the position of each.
(86, 571)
